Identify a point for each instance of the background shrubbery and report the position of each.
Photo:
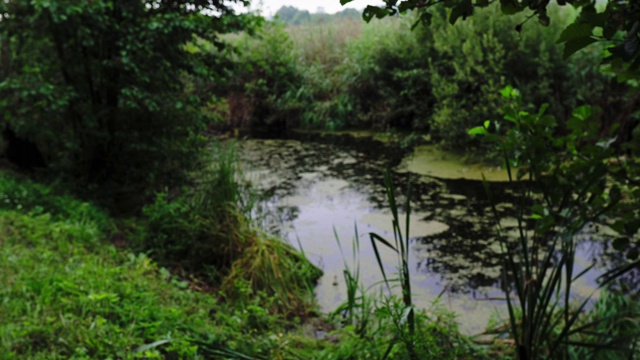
(439, 79)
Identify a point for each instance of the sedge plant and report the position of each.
(400, 245)
(565, 184)
(356, 310)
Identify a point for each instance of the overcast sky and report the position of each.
(269, 7)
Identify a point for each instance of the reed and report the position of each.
(569, 188)
(357, 309)
(400, 245)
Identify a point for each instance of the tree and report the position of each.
(99, 86)
(618, 23)
(293, 16)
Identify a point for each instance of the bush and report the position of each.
(267, 79)
(390, 85)
(489, 55)
(207, 232)
(18, 193)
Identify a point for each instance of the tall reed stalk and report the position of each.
(357, 308)
(400, 246)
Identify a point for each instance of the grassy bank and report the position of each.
(69, 290)
(75, 284)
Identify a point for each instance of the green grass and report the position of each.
(67, 292)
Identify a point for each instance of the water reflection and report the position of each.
(317, 188)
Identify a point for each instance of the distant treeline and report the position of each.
(291, 15)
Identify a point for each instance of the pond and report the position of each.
(320, 190)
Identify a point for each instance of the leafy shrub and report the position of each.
(267, 80)
(389, 82)
(489, 55)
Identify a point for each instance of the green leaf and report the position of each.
(573, 45)
(538, 209)
(507, 91)
(510, 7)
(544, 19)
(487, 123)
(463, 10)
(344, 2)
(621, 243)
(543, 109)
(575, 31)
(478, 130)
(376, 237)
(406, 6)
(373, 11)
(425, 18)
(582, 112)
(144, 348)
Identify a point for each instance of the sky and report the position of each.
(269, 7)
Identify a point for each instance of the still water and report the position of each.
(319, 193)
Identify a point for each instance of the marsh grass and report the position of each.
(277, 272)
(203, 229)
(391, 324)
(401, 246)
(207, 231)
(568, 185)
(358, 308)
(325, 44)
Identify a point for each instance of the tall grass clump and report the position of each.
(358, 308)
(274, 271)
(570, 184)
(201, 229)
(207, 231)
(379, 324)
(323, 52)
(325, 44)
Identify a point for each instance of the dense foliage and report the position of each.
(386, 76)
(615, 23)
(99, 87)
(114, 99)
